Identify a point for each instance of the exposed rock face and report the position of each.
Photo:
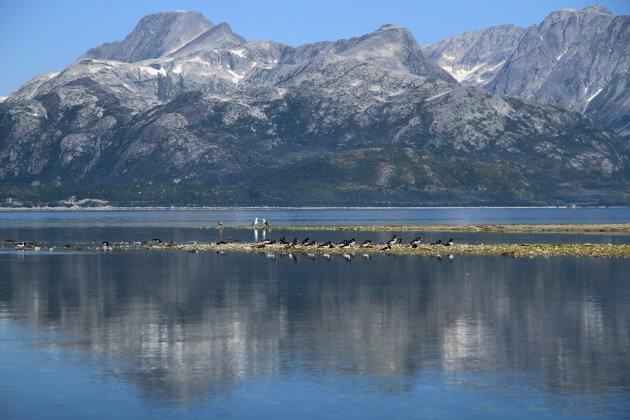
(155, 36)
(570, 59)
(474, 58)
(217, 110)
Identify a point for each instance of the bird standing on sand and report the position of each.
(255, 222)
(392, 241)
(266, 222)
(106, 246)
(449, 243)
(366, 243)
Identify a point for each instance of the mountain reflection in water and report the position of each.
(183, 326)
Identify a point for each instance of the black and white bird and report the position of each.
(20, 246)
(220, 223)
(255, 222)
(416, 241)
(438, 242)
(106, 246)
(392, 241)
(449, 243)
(305, 242)
(365, 243)
(389, 246)
(266, 222)
(329, 244)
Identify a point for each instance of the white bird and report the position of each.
(266, 223)
(255, 222)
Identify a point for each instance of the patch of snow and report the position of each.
(3, 98)
(198, 60)
(496, 66)
(437, 96)
(461, 74)
(356, 82)
(448, 57)
(152, 71)
(397, 92)
(593, 96)
(235, 77)
(53, 74)
(560, 56)
(240, 52)
(177, 69)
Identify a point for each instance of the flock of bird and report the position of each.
(282, 243)
(344, 244)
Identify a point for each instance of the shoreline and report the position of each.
(506, 250)
(516, 228)
(207, 208)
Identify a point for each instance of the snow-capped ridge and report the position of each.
(220, 36)
(154, 36)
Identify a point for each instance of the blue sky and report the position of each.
(38, 36)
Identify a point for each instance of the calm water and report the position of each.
(166, 333)
(316, 217)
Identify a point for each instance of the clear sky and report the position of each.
(39, 36)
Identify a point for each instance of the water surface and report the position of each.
(160, 334)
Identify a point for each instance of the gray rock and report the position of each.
(474, 58)
(216, 110)
(155, 36)
(570, 59)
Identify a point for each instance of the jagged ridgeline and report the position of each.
(578, 59)
(185, 112)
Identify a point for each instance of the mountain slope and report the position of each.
(570, 59)
(247, 118)
(155, 36)
(476, 57)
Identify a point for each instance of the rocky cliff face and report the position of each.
(570, 59)
(474, 58)
(389, 126)
(155, 36)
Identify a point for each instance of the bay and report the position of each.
(164, 334)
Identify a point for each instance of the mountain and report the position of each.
(569, 60)
(475, 57)
(203, 115)
(155, 36)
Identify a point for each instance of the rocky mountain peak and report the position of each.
(155, 35)
(220, 36)
(395, 48)
(596, 8)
